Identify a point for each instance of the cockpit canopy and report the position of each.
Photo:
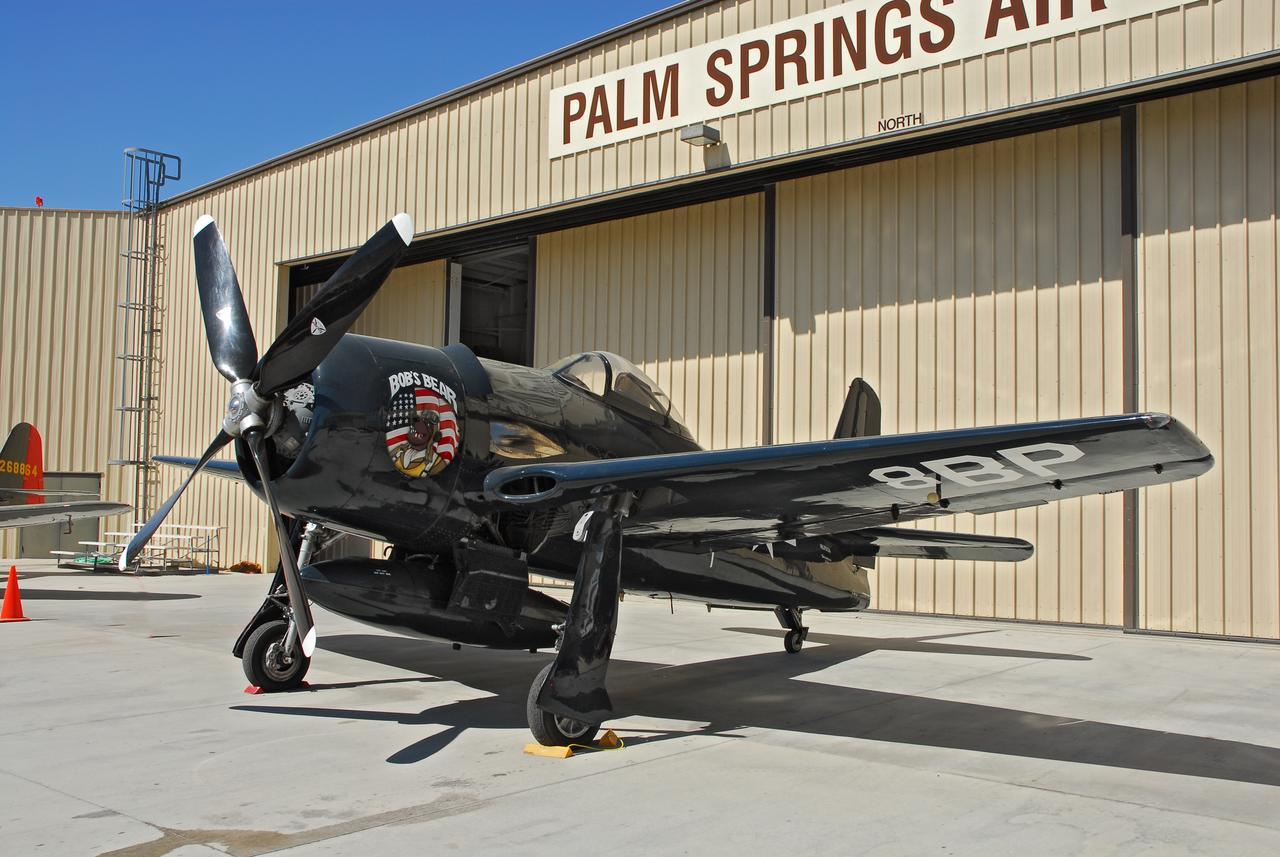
(622, 384)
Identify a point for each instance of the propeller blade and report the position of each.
(226, 322)
(309, 337)
(140, 538)
(306, 626)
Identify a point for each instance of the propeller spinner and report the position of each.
(255, 408)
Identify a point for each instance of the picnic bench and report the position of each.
(172, 546)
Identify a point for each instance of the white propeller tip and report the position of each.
(201, 222)
(404, 225)
(124, 560)
(309, 643)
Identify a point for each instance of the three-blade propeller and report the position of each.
(256, 384)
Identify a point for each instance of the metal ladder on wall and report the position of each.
(139, 314)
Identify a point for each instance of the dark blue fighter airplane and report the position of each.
(479, 473)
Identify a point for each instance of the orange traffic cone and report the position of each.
(12, 610)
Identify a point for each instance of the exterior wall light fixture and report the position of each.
(701, 134)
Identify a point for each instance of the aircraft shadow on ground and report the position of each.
(760, 690)
(95, 595)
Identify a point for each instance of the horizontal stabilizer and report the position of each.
(929, 544)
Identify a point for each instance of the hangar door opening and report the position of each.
(972, 286)
(679, 294)
(409, 307)
(489, 301)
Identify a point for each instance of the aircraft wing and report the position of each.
(710, 500)
(224, 469)
(58, 513)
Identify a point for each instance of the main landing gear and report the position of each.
(554, 730)
(269, 650)
(789, 618)
(268, 664)
(568, 701)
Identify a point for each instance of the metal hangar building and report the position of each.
(993, 210)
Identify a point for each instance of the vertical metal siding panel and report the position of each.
(1061, 367)
(482, 177)
(1208, 248)
(961, 278)
(61, 266)
(1236, 463)
(940, 275)
(1005, 183)
(1264, 259)
(1086, 377)
(961, 261)
(1201, 604)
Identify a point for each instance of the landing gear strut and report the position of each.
(268, 647)
(789, 618)
(568, 700)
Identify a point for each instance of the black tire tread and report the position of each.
(255, 648)
(543, 724)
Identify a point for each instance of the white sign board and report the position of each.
(846, 45)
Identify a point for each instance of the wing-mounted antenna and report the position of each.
(861, 414)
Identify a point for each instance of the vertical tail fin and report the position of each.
(21, 466)
(861, 414)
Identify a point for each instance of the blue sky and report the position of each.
(226, 85)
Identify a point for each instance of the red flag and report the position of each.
(39, 202)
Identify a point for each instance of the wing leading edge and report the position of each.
(740, 497)
(224, 469)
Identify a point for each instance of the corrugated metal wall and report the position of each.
(971, 287)
(1208, 258)
(58, 294)
(485, 155)
(676, 292)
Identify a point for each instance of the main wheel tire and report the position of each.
(793, 642)
(264, 664)
(552, 730)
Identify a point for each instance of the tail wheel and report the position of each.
(266, 663)
(551, 730)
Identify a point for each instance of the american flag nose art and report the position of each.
(406, 406)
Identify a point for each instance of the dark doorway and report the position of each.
(39, 542)
(492, 292)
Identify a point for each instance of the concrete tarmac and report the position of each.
(124, 731)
